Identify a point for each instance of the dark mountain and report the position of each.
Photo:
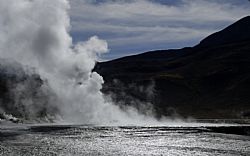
(210, 80)
(236, 32)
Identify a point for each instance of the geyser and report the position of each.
(35, 33)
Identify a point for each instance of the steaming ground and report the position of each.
(52, 77)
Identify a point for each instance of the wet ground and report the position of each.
(127, 140)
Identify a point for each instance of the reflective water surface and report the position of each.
(91, 140)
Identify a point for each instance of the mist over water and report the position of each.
(35, 33)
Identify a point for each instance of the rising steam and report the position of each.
(35, 33)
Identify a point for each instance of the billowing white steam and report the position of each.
(35, 33)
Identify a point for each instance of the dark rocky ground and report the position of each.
(210, 80)
(23, 94)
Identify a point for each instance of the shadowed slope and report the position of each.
(210, 80)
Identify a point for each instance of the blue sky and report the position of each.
(135, 26)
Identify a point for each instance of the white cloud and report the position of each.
(130, 22)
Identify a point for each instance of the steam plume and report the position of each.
(35, 33)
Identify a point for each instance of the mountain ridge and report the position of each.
(209, 80)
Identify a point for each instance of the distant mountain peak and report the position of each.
(237, 32)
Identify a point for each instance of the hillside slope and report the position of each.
(210, 80)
